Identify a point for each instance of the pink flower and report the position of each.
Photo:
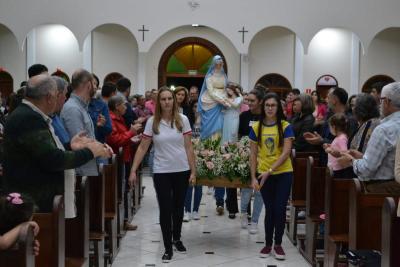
(227, 156)
(204, 153)
(211, 153)
(210, 165)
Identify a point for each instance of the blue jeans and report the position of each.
(275, 193)
(198, 191)
(257, 205)
(219, 194)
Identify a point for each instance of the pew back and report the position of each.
(21, 254)
(315, 188)
(390, 233)
(51, 235)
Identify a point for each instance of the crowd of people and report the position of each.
(53, 130)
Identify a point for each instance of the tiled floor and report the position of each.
(231, 246)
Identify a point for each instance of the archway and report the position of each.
(275, 83)
(376, 80)
(324, 83)
(185, 62)
(6, 83)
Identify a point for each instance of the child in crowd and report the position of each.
(339, 127)
(15, 214)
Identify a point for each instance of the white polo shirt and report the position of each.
(169, 146)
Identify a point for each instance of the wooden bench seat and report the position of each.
(390, 233)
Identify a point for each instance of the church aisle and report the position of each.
(231, 246)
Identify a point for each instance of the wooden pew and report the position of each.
(51, 235)
(298, 194)
(315, 196)
(111, 211)
(336, 233)
(390, 234)
(77, 229)
(96, 218)
(365, 218)
(21, 254)
(120, 191)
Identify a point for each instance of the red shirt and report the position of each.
(120, 137)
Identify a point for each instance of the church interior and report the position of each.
(282, 45)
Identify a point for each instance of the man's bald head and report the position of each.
(40, 86)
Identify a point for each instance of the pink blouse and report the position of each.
(339, 143)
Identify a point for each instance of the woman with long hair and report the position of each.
(173, 167)
(182, 99)
(320, 108)
(271, 169)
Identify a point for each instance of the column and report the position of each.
(141, 73)
(244, 72)
(355, 65)
(298, 64)
(87, 52)
(30, 50)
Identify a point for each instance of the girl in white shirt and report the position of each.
(173, 168)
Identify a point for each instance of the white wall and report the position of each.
(11, 57)
(329, 53)
(56, 47)
(114, 49)
(154, 55)
(272, 51)
(383, 56)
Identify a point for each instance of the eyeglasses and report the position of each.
(271, 106)
(383, 99)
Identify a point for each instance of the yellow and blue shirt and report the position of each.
(269, 151)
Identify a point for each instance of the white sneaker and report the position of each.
(186, 217)
(253, 228)
(243, 221)
(210, 190)
(195, 216)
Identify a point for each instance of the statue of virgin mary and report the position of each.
(212, 100)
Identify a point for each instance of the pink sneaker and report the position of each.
(279, 253)
(265, 252)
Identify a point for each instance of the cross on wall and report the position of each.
(243, 32)
(143, 30)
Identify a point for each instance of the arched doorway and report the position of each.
(6, 83)
(61, 74)
(186, 62)
(275, 83)
(112, 77)
(376, 81)
(324, 83)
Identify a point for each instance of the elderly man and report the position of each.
(75, 115)
(376, 166)
(35, 163)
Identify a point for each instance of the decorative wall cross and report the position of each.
(143, 30)
(243, 32)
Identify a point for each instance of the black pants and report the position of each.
(171, 191)
(275, 193)
(231, 200)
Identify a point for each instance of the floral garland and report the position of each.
(230, 160)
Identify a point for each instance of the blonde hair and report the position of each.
(176, 117)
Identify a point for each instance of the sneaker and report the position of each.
(243, 221)
(253, 228)
(301, 215)
(265, 252)
(167, 256)
(210, 190)
(179, 247)
(195, 215)
(232, 216)
(186, 217)
(279, 253)
(220, 210)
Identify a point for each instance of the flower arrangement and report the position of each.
(229, 160)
